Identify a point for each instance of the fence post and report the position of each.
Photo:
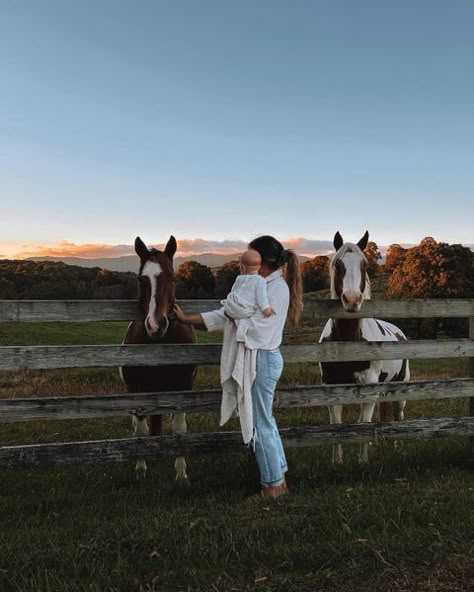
(470, 373)
(471, 364)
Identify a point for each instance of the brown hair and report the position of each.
(274, 255)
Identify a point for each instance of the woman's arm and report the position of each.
(188, 319)
(213, 320)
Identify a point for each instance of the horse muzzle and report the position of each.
(352, 301)
(156, 330)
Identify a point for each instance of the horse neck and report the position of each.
(346, 330)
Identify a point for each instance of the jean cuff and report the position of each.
(274, 483)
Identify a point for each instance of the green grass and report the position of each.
(388, 526)
(405, 522)
(62, 333)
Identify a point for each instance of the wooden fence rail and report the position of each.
(88, 407)
(44, 311)
(106, 451)
(90, 356)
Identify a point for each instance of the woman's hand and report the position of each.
(179, 314)
(188, 319)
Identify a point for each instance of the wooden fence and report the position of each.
(43, 357)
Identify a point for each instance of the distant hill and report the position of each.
(129, 263)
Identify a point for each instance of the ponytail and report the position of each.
(274, 255)
(295, 284)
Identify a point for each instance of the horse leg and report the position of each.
(178, 426)
(335, 416)
(399, 406)
(369, 376)
(366, 414)
(398, 410)
(140, 429)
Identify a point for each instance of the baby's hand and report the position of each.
(268, 312)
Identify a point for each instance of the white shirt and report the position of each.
(265, 332)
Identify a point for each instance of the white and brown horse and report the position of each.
(156, 301)
(351, 285)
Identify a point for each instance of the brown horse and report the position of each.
(156, 301)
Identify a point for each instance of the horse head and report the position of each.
(349, 280)
(156, 286)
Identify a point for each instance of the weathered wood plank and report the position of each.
(86, 407)
(77, 356)
(107, 451)
(126, 310)
(471, 364)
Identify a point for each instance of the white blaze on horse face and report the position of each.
(354, 288)
(352, 296)
(151, 270)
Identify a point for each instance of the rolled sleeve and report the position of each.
(262, 295)
(214, 320)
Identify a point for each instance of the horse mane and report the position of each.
(337, 256)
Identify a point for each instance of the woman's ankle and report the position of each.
(275, 491)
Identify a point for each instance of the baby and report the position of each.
(249, 292)
(247, 300)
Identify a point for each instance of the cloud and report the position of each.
(309, 247)
(186, 248)
(66, 248)
(197, 246)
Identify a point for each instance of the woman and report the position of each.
(265, 335)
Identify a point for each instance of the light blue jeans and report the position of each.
(268, 446)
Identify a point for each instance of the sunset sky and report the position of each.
(221, 120)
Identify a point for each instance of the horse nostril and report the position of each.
(164, 324)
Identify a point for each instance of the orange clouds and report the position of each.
(186, 247)
(66, 248)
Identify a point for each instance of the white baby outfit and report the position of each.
(246, 300)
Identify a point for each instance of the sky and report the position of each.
(222, 120)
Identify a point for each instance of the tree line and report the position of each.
(48, 280)
(429, 270)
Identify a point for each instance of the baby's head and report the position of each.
(250, 262)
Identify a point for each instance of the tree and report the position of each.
(373, 256)
(194, 280)
(225, 278)
(52, 280)
(315, 274)
(7, 289)
(434, 270)
(395, 257)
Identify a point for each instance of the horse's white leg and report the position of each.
(335, 416)
(369, 376)
(366, 415)
(178, 426)
(140, 430)
(399, 406)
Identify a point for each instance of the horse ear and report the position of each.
(140, 248)
(338, 241)
(363, 241)
(171, 247)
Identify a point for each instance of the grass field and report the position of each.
(405, 522)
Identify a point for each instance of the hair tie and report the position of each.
(284, 257)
